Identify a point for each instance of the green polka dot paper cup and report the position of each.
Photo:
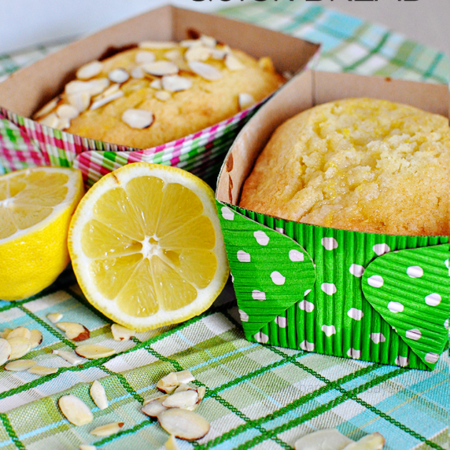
(364, 296)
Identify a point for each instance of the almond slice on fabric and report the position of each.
(20, 365)
(19, 332)
(121, 333)
(182, 399)
(54, 317)
(94, 351)
(329, 439)
(108, 430)
(36, 338)
(42, 370)
(20, 346)
(70, 357)
(75, 410)
(5, 351)
(184, 424)
(74, 331)
(153, 407)
(98, 394)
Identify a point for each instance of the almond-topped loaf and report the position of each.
(160, 91)
(357, 164)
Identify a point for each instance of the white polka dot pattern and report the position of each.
(402, 361)
(328, 288)
(329, 330)
(432, 358)
(307, 346)
(227, 213)
(414, 334)
(355, 314)
(277, 278)
(377, 338)
(414, 272)
(329, 243)
(296, 256)
(281, 321)
(352, 353)
(243, 257)
(306, 306)
(356, 270)
(243, 315)
(258, 295)
(376, 281)
(395, 307)
(261, 238)
(381, 249)
(261, 338)
(433, 299)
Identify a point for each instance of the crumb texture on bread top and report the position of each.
(357, 164)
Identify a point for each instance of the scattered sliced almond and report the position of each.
(75, 410)
(218, 54)
(51, 120)
(89, 70)
(201, 391)
(206, 71)
(233, 63)
(118, 75)
(182, 399)
(19, 332)
(74, 331)
(4, 334)
(198, 54)
(36, 338)
(161, 68)
(5, 351)
(94, 351)
(46, 109)
(143, 57)
(154, 406)
(87, 447)
(246, 101)
(156, 84)
(157, 45)
(330, 439)
(184, 376)
(171, 444)
(162, 95)
(184, 424)
(103, 101)
(42, 370)
(152, 399)
(175, 83)
(63, 124)
(20, 346)
(374, 441)
(80, 101)
(183, 387)
(173, 55)
(169, 380)
(137, 72)
(98, 394)
(92, 87)
(208, 41)
(67, 112)
(189, 43)
(107, 430)
(70, 357)
(137, 118)
(20, 365)
(54, 317)
(121, 333)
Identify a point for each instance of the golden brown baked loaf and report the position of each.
(357, 164)
(159, 92)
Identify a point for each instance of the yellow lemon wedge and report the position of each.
(146, 246)
(36, 206)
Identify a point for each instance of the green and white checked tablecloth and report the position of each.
(257, 396)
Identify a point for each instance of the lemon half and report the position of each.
(146, 246)
(36, 206)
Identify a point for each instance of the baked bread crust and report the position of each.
(175, 114)
(357, 164)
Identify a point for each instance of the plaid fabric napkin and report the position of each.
(257, 396)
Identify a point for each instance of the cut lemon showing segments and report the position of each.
(146, 246)
(36, 206)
